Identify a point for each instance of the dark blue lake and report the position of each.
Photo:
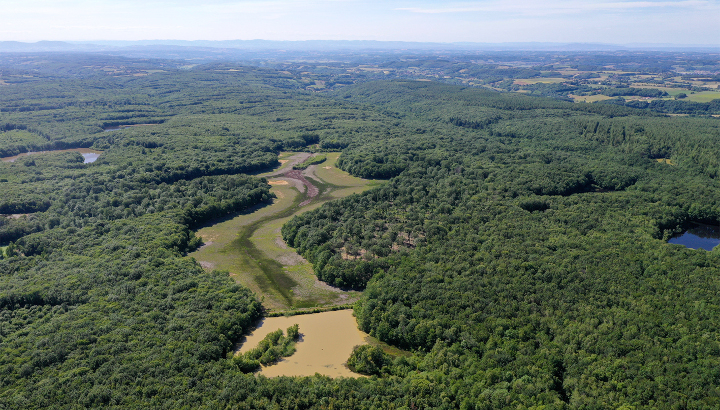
(700, 237)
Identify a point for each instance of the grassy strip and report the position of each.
(309, 311)
(249, 259)
(274, 276)
(314, 160)
(271, 349)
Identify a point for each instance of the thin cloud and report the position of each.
(560, 7)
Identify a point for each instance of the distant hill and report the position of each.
(46, 46)
(329, 45)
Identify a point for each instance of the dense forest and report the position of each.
(516, 250)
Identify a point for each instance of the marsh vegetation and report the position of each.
(251, 248)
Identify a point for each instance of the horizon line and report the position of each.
(374, 41)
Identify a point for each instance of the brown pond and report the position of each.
(88, 154)
(326, 341)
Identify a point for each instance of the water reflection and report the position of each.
(699, 237)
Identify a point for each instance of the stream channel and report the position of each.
(250, 247)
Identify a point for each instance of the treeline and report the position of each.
(641, 92)
(674, 106)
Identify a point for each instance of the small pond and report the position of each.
(326, 341)
(89, 155)
(701, 236)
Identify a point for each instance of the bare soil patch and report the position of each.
(206, 244)
(312, 190)
(291, 259)
(280, 243)
(15, 216)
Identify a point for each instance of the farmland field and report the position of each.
(703, 96)
(590, 98)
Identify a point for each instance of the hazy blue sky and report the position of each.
(606, 21)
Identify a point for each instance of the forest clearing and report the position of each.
(250, 246)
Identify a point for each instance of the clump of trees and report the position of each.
(369, 360)
(314, 160)
(272, 348)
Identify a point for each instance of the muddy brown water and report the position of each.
(326, 342)
(89, 155)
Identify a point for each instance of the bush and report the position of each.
(271, 349)
(368, 360)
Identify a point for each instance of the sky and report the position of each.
(490, 21)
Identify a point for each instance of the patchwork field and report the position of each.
(703, 96)
(529, 81)
(589, 98)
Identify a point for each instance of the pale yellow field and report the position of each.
(590, 98)
(530, 81)
(703, 96)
